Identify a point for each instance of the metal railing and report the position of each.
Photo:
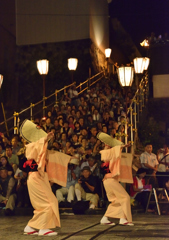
(133, 114)
(37, 108)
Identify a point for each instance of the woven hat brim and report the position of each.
(108, 140)
(31, 132)
(74, 161)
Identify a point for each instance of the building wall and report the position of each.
(44, 21)
(159, 60)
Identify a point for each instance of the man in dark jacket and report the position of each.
(86, 188)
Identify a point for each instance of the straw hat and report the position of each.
(31, 132)
(112, 142)
(75, 161)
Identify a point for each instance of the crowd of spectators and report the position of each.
(75, 121)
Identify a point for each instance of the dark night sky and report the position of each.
(141, 17)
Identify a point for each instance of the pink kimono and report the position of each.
(46, 213)
(120, 170)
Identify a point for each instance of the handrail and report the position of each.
(17, 115)
(133, 114)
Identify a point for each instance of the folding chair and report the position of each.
(158, 201)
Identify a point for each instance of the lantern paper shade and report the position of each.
(139, 65)
(108, 52)
(146, 63)
(125, 76)
(1, 80)
(43, 66)
(72, 63)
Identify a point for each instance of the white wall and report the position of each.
(161, 86)
(43, 21)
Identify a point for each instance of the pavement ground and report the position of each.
(87, 227)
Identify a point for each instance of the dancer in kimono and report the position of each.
(117, 169)
(43, 166)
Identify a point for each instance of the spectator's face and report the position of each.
(84, 142)
(49, 114)
(56, 123)
(104, 129)
(48, 121)
(91, 162)
(8, 152)
(94, 131)
(63, 137)
(68, 144)
(14, 142)
(70, 120)
(78, 114)
(149, 148)
(86, 173)
(81, 121)
(77, 125)
(3, 161)
(3, 174)
(84, 132)
(74, 138)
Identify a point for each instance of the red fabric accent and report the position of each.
(48, 232)
(29, 233)
(135, 183)
(27, 163)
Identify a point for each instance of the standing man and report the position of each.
(150, 163)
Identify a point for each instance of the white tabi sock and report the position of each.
(104, 220)
(28, 229)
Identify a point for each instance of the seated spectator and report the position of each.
(86, 188)
(5, 140)
(73, 95)
(84, 133)
(48, 125)
(74, 141)
(63, 139)
(104, 128)
(90, 122)
(15, 146)
(92, 132)
(138, 190)
(66, 148)
(92, 164)
(72, 177)
(81, 122)
(149, 163)
(96, 116)
(7, 195)
(71, 122)
(66, 129)
(12, 158)
(57, 126)
(4, 163)
(77, 129)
